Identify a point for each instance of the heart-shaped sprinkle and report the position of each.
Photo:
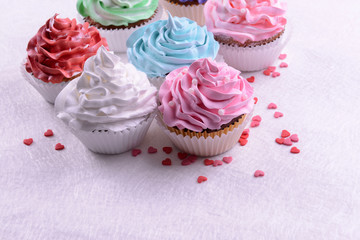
(271, 68)
(182, 155)
(288, 142)
(28, 141)
(284, 65)
(255, 100)
(227, 159)
(243, 141)
(275, 74)
(282, 56)
(185, 162)
(166, 162)
(278, 114)
(280, 140)
(201, 179)
(59, 146)
(152, 150)
(254, 124)
(272, 106)
(48, 133)
(192, 158)
(135, 152)
(244, 136)
(259, 173)
(251, 79)
(167, 150)
(294, 138)
(208, 162)
(256, 118)
(267, 72)
(294, 150)
(217, 163)
(285, 134)
(246, 131)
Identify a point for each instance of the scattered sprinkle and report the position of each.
(59, 146)
(201, 179)
(243, 141)
(208, 162)
(271, 68)
(217, 163)
(272, 106)
(255, 100)
(227, 159)
(254, 124)
(48, 133)
(192, 158)
(282, 56)
(288, 142)
(135, 152)
(185, 162)
(294, 138)
(285, 133)
(295, 150)
(166, 162)
(251, 79)
(28, 141)
(275, 74)
(167, 150)
(152, 150)
(284, 65)
(182, 155)
(256, 118)
(280, 140)
(278, 114)
(259, 173)
(267, 72)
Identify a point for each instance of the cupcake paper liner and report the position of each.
(116, 38)
(48, 90)
(202, 146)
(254, 58)
(111, 142)
(193, 12)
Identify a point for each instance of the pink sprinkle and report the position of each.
(275, 74)
(282, 56)
(254, 124)
(283, 65)
(227, 159)
(294, 138)
(256, 118)
(278, 114)
(287, 142)
(271, 68)
(217, 163)
(272, 106)
(259, 173)
(255, 100)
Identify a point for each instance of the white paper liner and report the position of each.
(255, 58)
(193, 12)
(116, 38)
(48, 90)
(111, 142)
(205, 147)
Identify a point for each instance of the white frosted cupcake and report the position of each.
(110, 106)
(251, 33)
(117, 20)
(205, 107)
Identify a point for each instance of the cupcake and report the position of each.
(192, 9)
(117, 20)
(205, 107)
(57, 53)
(163, 46)
(251, 33)
(110, 106)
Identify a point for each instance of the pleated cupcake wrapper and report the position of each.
(116, 38)
(255, 58)
(193, 12)
(111, 142)
(209, 146)
(48, 90)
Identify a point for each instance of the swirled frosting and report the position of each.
(109, 95)
(117, 12)
(243, 20)
(165, 45)
(205, 95)
(199, 1)
(60, 48)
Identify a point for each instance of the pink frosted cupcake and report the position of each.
(57, 53)
(251, 33)
(205, 107)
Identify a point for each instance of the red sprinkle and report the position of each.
(244, 136)
(201, 179)
(294, 150)
(185, 162)
(48, 133)
(271, 68)
(255, 100)
(280, 140)
(278, 114)
(285, 133)
(259, 173)
(284, 65)
(166, 162)
(135, 152)
(243, 141)
(267, 72)
(152, 150)
(282, 56)
(251, 79)
(246, 131)
(217, 163)
(275, 74)
(227, 159)
(192, 158)
(256, 118)
(272, 106)
(208, 162)
(167, 150)
(59, 146)
(28, 141)
(182, 155)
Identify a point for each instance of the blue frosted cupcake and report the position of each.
(166, 45)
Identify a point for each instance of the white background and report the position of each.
(76, 194)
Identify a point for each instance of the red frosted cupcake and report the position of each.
(57, 53)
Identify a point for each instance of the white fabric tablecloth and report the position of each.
(76, 194)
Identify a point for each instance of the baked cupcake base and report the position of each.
(193, 11)
(116, 37)
(206, 144)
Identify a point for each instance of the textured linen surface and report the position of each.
(76, 194)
